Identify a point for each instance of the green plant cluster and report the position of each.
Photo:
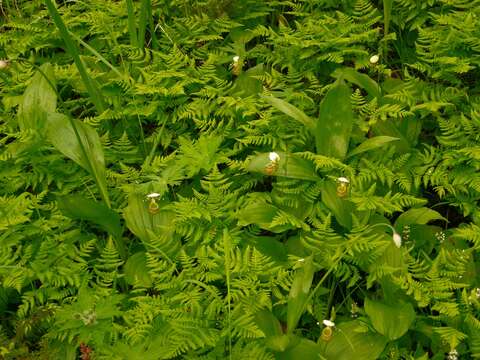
(240, 179)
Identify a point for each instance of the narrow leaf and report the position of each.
(387, 15)
(362, 80)
(290, 110)
(371, 144)
(298, 295)
(132, 29)
(95, 95)
(334, 126)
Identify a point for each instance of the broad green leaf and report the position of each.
(392, 320)
(359, 79)
(303, 349)
(38, 100)
(420, 216)
(353, 341)
(271, 327)
(334, 126)
(248, 83)
(298, 295)
(290, 110)
(155, 230)
(341, 208)
(273, 248)
(371, 144)
(72, 48)
(290, 166)
(389, 128)
(387, 15)
(262, 215)
(268, 323)
(78, 207)
(136, 270)
(81, 144)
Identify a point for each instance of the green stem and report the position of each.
(95, 95)
(132, 31)
(226, 249)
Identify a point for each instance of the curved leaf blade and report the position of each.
(290, 110)
(372, 143)
(352, 340)
(420, 216)
(393, 321)
(81, 144)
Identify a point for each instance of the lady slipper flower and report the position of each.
(237, 66)
(153, 207)
(327, 331)
(272, 166)
(374, 59)
(342, 186)
(3, 64)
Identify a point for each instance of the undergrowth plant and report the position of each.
(239, 179)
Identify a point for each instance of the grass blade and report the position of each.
(99, 56)
(145, 15)
(290, 110)
(387, 15)
(95, 95)
(132, 30)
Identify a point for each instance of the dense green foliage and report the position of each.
(312, 167)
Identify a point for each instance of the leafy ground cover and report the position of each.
(239, 179)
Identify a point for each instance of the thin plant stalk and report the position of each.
(95, 95)
(132, 31)
(145, 15)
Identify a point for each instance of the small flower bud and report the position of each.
(397, 239)
(374, 59)
(3, 64)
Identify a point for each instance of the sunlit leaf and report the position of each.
(38, 100)
(391, 320)
(299, 291)
(372, 143)
(334, 126)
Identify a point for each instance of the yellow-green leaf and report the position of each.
(38, 100)
(334, 126)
